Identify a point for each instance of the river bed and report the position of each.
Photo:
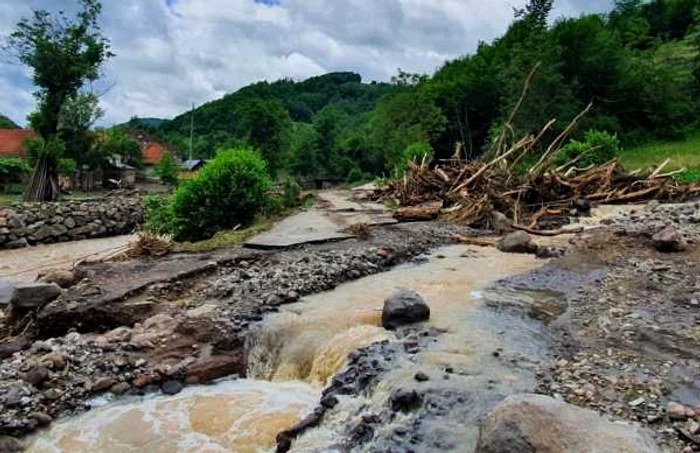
(298, 350)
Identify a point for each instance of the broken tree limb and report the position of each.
(548, 233)
(660, 168)
(417, 213)
(479, 242)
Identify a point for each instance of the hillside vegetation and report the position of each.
(638, 65)
(6, 123)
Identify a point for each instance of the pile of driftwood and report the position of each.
(471, 192)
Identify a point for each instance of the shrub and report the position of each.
(167, 169)
(414, 153)
(12, 169)
(228, 191)
(356, 175)
(597, 148)
(160, 219)
(291, 192)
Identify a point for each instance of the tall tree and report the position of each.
(64, 53)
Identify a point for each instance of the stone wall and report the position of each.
(46, 223)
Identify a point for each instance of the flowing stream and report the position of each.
(298, 350)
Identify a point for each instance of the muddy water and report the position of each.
(232, 416)
(299, 349)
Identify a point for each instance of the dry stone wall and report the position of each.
(46, 223)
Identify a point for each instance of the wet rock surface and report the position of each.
(404, 307)
(517, 242)
(536, 423)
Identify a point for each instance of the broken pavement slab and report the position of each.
(309, 227)
(324, 223)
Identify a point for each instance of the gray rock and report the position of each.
(669, 240)
(17, 244)
(537, 423)
(500, 223)
(171, 387)
(404, 307)
(10, 445)
(36, 375)
(518, 242)
(34, 295)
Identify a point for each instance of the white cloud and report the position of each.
(198, 50)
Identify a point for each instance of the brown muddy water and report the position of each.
(299, 349)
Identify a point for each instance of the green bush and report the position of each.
(159, 215)
(229, 191)
(291, 191)
(356, 175)
(12, 169)
(597, 148)
(414, 153)
(168, 169)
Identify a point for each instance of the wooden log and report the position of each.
(548, 233)
(480, 242)
(417, 213)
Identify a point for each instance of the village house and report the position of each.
(12, 145)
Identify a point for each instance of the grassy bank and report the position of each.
(683, 154)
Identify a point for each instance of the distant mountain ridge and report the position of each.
(137, 122)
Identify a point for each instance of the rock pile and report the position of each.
(45, 223)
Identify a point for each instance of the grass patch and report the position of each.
(6, 199)
(229, 238)
(683, 154)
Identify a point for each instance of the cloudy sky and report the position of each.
(174, 52)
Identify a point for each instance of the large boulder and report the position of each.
(669, 240)
(404, 307)
(518, 242)
(34, 295)
(540, 424)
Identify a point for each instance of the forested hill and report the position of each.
(263, 114)
(6, 123)
(638, 65)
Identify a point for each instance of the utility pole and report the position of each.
(191, 130)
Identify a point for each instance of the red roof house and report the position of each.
(12, 142)
(152, 153)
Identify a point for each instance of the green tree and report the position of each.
(167, 169)
(78, 115)
(117, 145)
(400, 120)
(63, 54)
(305, 157)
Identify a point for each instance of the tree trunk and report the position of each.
(43, 185)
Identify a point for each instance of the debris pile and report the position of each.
(470, 192)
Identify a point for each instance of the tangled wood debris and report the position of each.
(533, 199)
(469, 192)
